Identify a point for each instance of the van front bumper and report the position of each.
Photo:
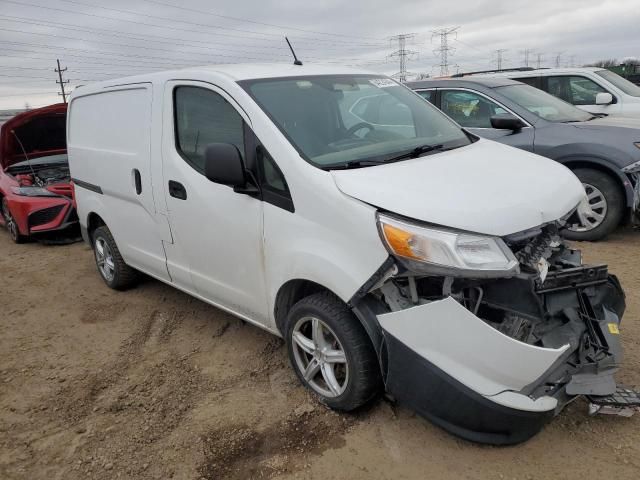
(465, 376)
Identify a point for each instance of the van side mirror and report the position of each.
(223, 164)
(604, 98)
(506, 121)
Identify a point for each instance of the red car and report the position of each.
(35, 187)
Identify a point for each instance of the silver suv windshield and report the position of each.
(622, 83)
(354, 120)
(543, 105)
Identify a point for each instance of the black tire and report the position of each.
(363, 382)
(616, 205)
(123, 275)
(10, 223)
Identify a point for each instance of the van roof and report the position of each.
(236, 72)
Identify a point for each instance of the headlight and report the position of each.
(33, 192)
(447, 252)
(634, 167)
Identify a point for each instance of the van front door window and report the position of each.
(204, 117)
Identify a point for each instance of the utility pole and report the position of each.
(403, 54)
(539, 59)
(500, 57)
(61, 82)
(445, 49)
(526, 52)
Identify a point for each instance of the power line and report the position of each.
(174, 20)
(539, 59)
(182, 7)
(139, 59)
(403, 54)
(133, 46)
(25, 94)
(119, 34)
(445, 50)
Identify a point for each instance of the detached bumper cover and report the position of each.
(462, 374)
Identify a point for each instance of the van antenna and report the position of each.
(295, 59)
(13, 132)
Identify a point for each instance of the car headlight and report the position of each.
(33, 192)
(447, 252)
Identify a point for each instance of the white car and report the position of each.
(408, 255)
(595, 90)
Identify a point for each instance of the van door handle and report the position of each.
(177, 190)
(137, 180)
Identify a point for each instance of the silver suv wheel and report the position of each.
(593, 219)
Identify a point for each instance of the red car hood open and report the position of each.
(42, 132)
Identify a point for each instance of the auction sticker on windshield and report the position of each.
(382, 82)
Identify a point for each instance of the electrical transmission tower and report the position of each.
(445, 50)
(499, 57)
(527, 54)
(558, 59)
(539, 59)
(61, 82)
(403, 54)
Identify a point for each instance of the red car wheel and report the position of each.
(10, 223)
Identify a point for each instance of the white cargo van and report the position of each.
(388, 247)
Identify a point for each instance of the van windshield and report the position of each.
(342, 120)
(543, 104)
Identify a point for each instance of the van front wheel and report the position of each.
(331, 353)
(112, 268)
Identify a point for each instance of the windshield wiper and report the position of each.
(414, 153)
(354, 164)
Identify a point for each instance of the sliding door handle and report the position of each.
(137, 180)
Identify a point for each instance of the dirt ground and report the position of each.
(152, 383)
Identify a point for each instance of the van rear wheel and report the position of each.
(111, 266)
(331, 353)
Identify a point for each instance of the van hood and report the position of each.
(485, 187)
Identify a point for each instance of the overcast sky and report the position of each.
(98, 40)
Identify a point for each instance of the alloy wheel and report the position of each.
(589, 220)
(9, 221)
(104, 259)
(319, 357)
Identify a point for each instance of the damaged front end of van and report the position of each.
(489, 337)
